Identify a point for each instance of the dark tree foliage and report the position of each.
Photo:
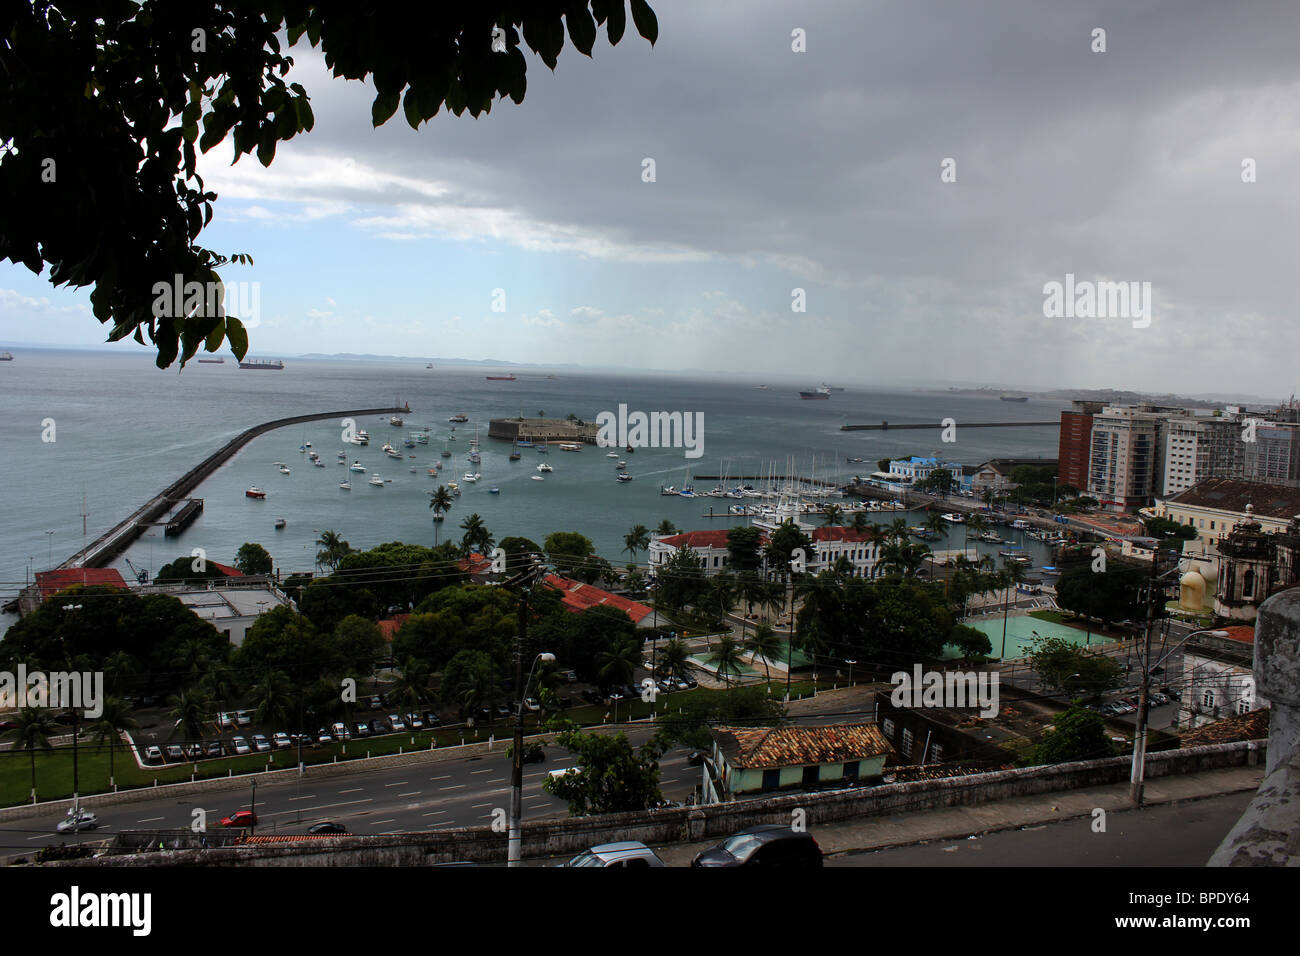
(688, 724)
(1111, 595)
(613, 777)
(744, 549)
(105, 107)
(1078, 734)
(152, 629)
(680, 579)
(182, 570)
(252, 558)
(466, 617)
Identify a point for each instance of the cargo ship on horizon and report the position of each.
(272, 364)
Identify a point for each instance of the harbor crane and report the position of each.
(141, 575)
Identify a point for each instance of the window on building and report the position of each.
(1207, 700)
(771, 779)
(907, 743)
(888, 727)
(851, 770)
(1243, 706)
(810, 775)
(936, 753)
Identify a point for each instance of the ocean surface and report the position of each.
(123, 430)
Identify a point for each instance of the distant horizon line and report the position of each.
(133, 349)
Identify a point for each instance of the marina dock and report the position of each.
(113, 542)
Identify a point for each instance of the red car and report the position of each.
(240, 818)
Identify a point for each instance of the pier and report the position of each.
(113, 542)
(182, 519)
(885, 426)
(781, 478)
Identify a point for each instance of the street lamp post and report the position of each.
(850, 663)
(49, 550)
(252, 809)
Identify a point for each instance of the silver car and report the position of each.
(628, 853)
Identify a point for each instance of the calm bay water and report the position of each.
(125, 429)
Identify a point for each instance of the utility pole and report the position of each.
(1137, 776)
(514, 842)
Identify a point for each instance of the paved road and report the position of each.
(1177, 834)
(413, 798)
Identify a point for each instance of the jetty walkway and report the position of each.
(118, 538)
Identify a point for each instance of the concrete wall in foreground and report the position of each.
(565, 837)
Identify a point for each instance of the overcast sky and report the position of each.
(819, 170)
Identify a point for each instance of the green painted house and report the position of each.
(751, 760)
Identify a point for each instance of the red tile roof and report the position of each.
(227, 570)
(390, 625)
(52, 582)
(764, 747)
(577, 597)
(698, 539)
(1252, 725)
(1241, 632)
(475, 564)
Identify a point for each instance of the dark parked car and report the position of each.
(695, 758)
(772, 844)
(379, 726)
(431, 719)
(213, 749)
(362, 729)
(328, 826)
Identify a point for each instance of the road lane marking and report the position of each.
(150, 820)
(432, 813)
(400, 783)
(480, 771)
(309, 796)
(445, 776)
(496, 780)
(413, 793)
(375, 823)
(480, 806)
(456, 786)
(353, 790)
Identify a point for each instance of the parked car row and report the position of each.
(1129, 705)
(768, 845)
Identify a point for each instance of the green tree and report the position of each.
(182, 570)
(571, 554)
(674, 658)
(971, 641)
(358, 643)
(781, 545)
(1066, 667)
(520, 553)
(1077, 734)
(689, 725)
(33, 728)
(191, 710)
(116, 717)
(744, 549)
(252, 558)
(333, 549)
(726, 659)
(272, 697)
(681, 579)
(469, 679)
(618, 663)
(765, 644)
(145, 87)
(666, 528)
(612, 776)
(476, 538)
(638, 539)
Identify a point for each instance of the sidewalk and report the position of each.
(952, 823)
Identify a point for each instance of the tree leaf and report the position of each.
(237, 337)
(582, 28)
(647, 24)
(383, 108)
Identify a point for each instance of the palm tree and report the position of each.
(934, 521)
(859, 523)
(666, 527)
(119, 666)
(33, 728)
(726, 658)
(189, 709)
(772, 599)
(192, 656)
(750, 589)
(117, 716)
(722, 592)
(273, 697)
(898, 528)
(618, 663)
(333, 549)
(674, 658)
(476, 537)
(765, 644)
(832, 514)
(218, 682)
(440, 501)
(638, 539)
(412, 684)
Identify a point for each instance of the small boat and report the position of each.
(622, 464)
(445, 454)
(544, 467)
(630, 449)
(318, 463)
(363, 438)
(462, 417)
(624, 476)
(438, 516)
(953, 518)
(570, 446)
(471, 476)
(667, 490)
(514, 456)
(377, 481)
(280, 523)
(396, 422)
(345, 485)
(990, 537)
(356, 466)
(523, 443)
(284, 469)
(255, 492)
(538, 478)
(612, 454)
(343, 456)
(494, 491)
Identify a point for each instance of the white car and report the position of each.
(261, 743)
(564, 772)
(397, 722)
(241, 746)
(78, 820)
(282, 741)
(532, 704)
(153, 755)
